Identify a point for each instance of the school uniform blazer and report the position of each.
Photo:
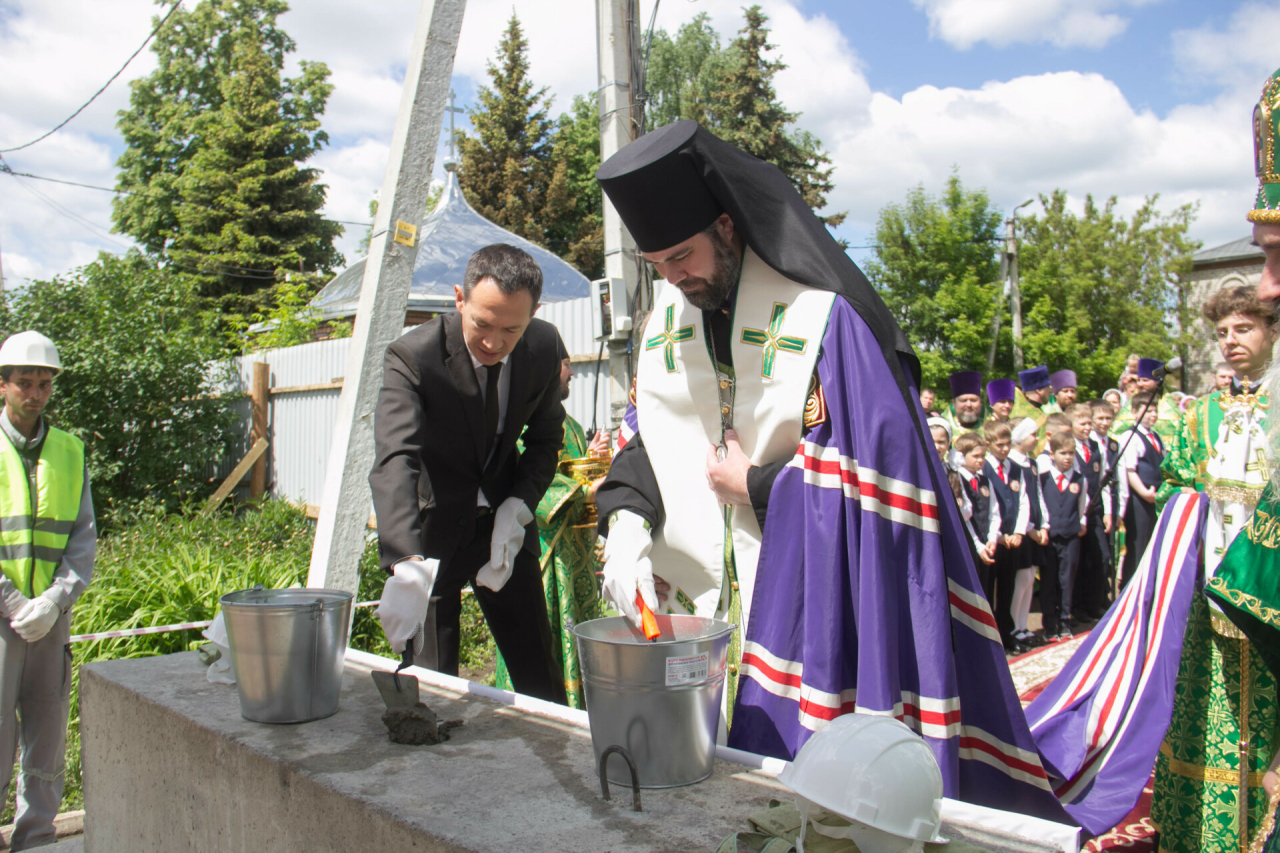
(429, 438)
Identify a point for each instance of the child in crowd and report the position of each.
(1064, 502)
(1142, 463)
(985, 520)
(1030, 554)
(1090, 594)
(1117, 491)
(1054, 424)
(1005, 479)
(940, 429)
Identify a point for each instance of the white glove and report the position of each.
(35, 620)
(15, 603)
(627, 567)
(508, 538)
(405, 598)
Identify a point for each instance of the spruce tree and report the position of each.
(575, 225)
(752, 118)
(214, 140)
(506, 166)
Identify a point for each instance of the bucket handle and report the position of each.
(631, 765)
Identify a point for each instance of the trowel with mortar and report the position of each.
(408, 720)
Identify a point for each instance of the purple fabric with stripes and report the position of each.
(862, 601)
(1064, 737)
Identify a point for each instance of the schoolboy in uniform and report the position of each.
(1142, 462)
(972, 448)
(1030, 555)
(1005, 479)
(1090, 594)
(1064, 501)
(1118, 489)
(1053, 424)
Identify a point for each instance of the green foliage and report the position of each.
(506, 166)
(290, 322)
(576, 232)
(136, 384)
(936, 267)
(1097, 287)
(214, 141)
(729, 90)
(531, 175)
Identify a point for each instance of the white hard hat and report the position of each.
(29, 349)
(876, 773)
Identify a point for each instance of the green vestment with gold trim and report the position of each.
(569, 566)
(1226, 690)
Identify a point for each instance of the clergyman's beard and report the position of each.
(564, 391)
(969, 421)
(714, 291)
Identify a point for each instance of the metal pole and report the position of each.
(384, 294)
(1001, 276)
(618, 45)
(1015, 291)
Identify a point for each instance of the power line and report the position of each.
(65, 121)
(9, 170)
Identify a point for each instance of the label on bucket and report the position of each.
(687, 669)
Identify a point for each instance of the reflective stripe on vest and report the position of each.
(31, 548)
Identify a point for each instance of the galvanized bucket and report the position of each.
(659, 701)
(287, 646)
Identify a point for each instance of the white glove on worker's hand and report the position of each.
(405, 598)
(627, 567)
(508, 538)
(35, 620)
(15, 603)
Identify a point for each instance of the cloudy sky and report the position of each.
(1110, 97)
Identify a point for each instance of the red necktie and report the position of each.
(1000, 471)
(973, 484)
(1155, 439)
(1061, 478)
(1087, 460)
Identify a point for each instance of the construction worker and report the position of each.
(47, 544)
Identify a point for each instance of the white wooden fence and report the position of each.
(307, 379)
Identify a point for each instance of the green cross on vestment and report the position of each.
(772, 341)
(669, 337)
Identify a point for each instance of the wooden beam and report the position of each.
(313, 512)
(261, 390)
(259, 448)
(302, 389)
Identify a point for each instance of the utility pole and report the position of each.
(1008, 277)
(621, 121)
(384, 293)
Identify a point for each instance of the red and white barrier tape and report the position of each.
(161, 629)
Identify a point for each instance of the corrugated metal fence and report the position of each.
(307, 379)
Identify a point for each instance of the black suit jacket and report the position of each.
(429, 438)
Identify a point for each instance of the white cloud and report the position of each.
(1000, 23)
(1014, 137)
(1241, 55)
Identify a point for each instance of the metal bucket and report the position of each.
(287, 646)
(660, 701)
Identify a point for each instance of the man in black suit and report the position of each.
(453, 496)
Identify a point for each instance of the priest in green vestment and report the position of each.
(569, 563)
(1216, 785)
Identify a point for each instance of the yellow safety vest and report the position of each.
(31, 548)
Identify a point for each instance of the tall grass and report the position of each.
(160, 570)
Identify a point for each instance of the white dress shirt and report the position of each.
(1023, 520)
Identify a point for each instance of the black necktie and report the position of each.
(491, 407)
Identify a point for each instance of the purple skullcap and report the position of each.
(1063, 379)
(965, 382)
(999, 390)
(1033, 379)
